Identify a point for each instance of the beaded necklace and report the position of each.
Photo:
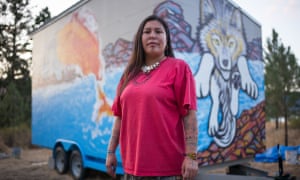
(147, 69)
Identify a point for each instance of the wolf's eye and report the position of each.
(231, 43)
(216, 40)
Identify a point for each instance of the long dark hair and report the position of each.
(137, 59)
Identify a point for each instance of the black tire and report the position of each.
(76, 165)
(60, 160)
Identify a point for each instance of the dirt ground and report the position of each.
(33, 163)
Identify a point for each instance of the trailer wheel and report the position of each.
(76, 165)
(61, 160)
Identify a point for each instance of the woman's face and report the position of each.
(154, 39)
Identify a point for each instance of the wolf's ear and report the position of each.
(236, 20)
(207, 10)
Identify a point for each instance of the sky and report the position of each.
(281, 15)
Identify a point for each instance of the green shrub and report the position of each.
(13, 108)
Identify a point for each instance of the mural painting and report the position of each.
(230, 132)
(223, 53)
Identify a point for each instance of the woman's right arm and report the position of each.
(111, 160)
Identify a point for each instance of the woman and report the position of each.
(155, 110)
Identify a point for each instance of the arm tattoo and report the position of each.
(191, 132)
(114, 139)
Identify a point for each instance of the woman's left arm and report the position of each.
(190, 164)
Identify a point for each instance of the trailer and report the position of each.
(79, 57)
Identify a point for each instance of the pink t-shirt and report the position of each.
(151, 108)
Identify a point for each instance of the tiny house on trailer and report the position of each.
(79, 57)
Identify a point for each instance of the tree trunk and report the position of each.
(276, 123)
(286, 130)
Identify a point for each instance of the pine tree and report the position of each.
(15, 44)
(16, 23)
(281, 78)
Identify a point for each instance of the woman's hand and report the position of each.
(189, 168)
(111, 164)
(111, 159)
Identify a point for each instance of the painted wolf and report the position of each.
(223, 69)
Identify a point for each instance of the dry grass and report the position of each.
(19, 136)
(276, 136)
